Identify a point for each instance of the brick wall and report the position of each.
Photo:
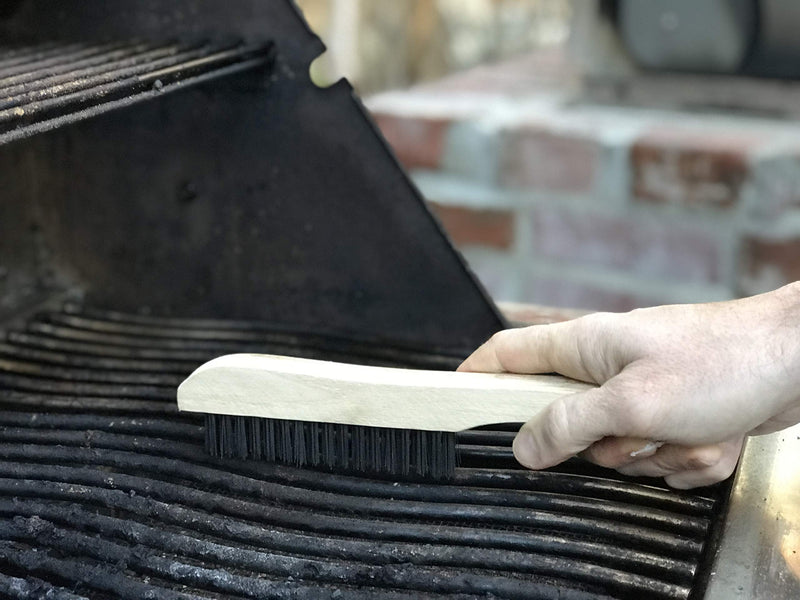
(561, 203)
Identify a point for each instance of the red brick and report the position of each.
(537, 157)
(691, 166)
(583, 295)
(418, 142)
(476, 227)
(770, 263)
(654, 249)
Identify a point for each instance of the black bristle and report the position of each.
(343, 448)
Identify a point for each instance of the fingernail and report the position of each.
(647, 450)
(525, 449)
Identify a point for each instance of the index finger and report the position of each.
(535, 349)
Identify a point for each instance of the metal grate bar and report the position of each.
(556, 516)
(254, 535)
(43, 93)
(11, 57)
(31, 587)
(45, 371)
(49, 82)
(126, 330)
(69, 430)
(62, 402)
(97, 469)
(48, 357)
(424, 581)
(55, 61)
(536, 552)
(42, 88)
(44, 341)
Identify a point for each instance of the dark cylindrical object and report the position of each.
(714, 36)
(777, 49)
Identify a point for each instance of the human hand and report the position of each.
(695, 378)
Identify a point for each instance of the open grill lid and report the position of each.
(230, 186)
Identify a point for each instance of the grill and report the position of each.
(96, 463)
(49, 85)
(190, 193)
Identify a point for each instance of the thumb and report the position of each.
(566, 427)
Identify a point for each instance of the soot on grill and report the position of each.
(106, 491)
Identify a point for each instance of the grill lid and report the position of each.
(246, 193)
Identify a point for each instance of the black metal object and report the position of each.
(753, 38)
(52, 85)
(102, 497)
(246, 193)
(383, 451)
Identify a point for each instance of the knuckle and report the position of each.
(632, 409)
(685, 480)
(665, 464)
(592, 330)
(702, 458)
(609, 452)
(504, 351)
(499, 336)
(606, 459)
(556, 425)
(723, 469)
(597, 321)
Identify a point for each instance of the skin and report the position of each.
(695, 378)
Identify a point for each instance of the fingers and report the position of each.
(671, 459)
(563, 429)
(575, 425)
(614, 452)
(535, 349)
(524, 350)
(686, 467)
(581, 424)
(710, 475)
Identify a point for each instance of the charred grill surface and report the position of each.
(106, 492)
(51, 84)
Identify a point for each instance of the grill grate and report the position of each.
(46, 86)
(106, 492)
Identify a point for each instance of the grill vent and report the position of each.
(48, 85)
(105, 492)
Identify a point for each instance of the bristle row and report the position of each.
(342, 448)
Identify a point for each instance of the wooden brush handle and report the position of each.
(301, 389)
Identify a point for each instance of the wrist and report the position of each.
(787, 307)
(791, 292)
(786, 334)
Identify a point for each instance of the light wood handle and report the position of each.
(301, 389)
